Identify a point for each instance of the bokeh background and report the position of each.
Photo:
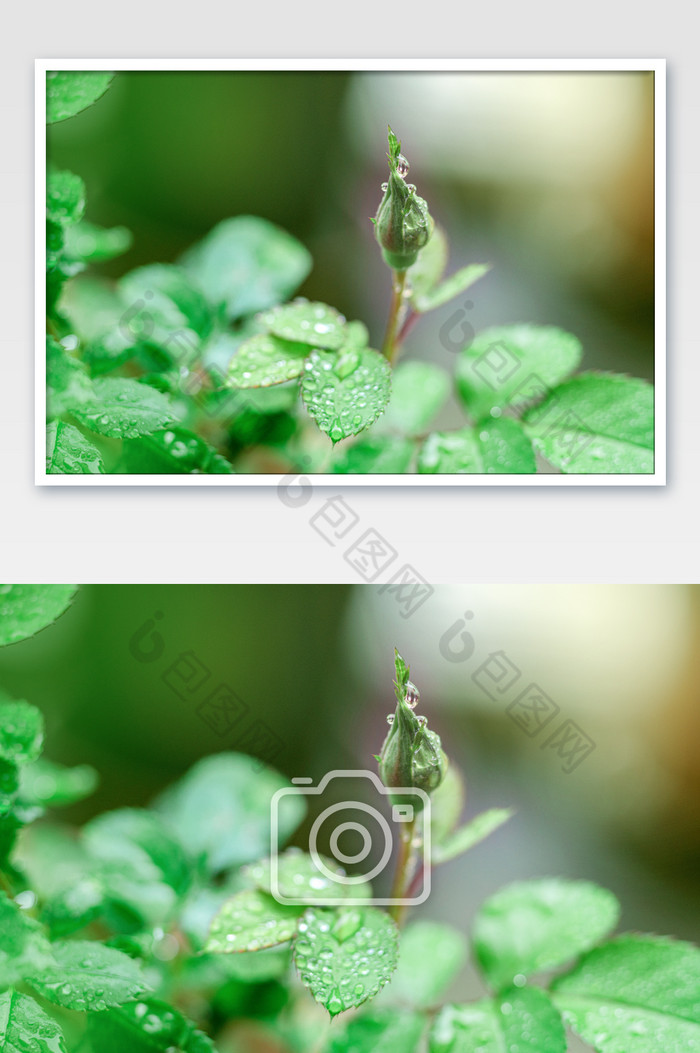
(315, 663)
(548, 176)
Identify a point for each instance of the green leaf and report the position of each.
(345, 406)
(45, 783)
(446, 804)
(523, 1019)
(144, 1027)
(493, 448)
(430, 957)
(635, 994)
(92, 306)
(89, 243)
(124, 409)
(247, 264)
(596, 423)
(220, 810)
(509, 365)
(89, 976)
(25, 609)
(9, 783)
(465, 837)
(419, 391)
(65, 197)
(375, 456)
(168, 303)
(264, 360)
(67, 382)
(345, 956)
(250, 921)
(356, 336)
(26, 1028)
(142, 837)
(430, 266)
(68, 452)
(457, 283)
(298, 877)
(24, 949)
(175, 451)
(315, 324)
(70, 91)
(21, 723)
(536, 925)
(383, 1031)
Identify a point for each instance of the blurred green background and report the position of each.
(549, 176)
(315, 663)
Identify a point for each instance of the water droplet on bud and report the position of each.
(390, 718)
(412, 695)
(411, 187)
(402, 166)
(385, 187)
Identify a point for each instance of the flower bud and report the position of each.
(412, 755)
(403, 224)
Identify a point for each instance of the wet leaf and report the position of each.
(430, 957)
(535, 925)
(70, 91)
(25, 609)
(142, 837)
(344, 406)
(315, 324)
(21, 723)
(92, 244)
(296, 876)
(68, 452)
(175, 451)
(65, 197)
(596, 423)
(522, 1020)
(45, 783)
(492, 448)
(145, 1026)
(24, 1026)
(67, 381)
(250, 921)
(89, 976)
(345, 965)
(124, 408)
(382, 1031)
(375, 456)
(24, 949)
(419, 390)
(264, 360)
(635, 994)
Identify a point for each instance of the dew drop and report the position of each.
(412, 695)
(390, 719)
(402, 166)
(385, 187)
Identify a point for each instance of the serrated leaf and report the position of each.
(596, 423)
(381, 1031)
(375, 456)
(145, 1026)
(296, 876)
(535, 925)
(264, 360)
(492, 448)
(140, 836)
(89, 976)
(24, 949)
(430, 956)
(45, 783)
(510, 365)
(465, 837)
(89, 243)
(65, 197)
(67, 382)
(175, 451)
(345, 956)
(68, 452)
(21, 723)
(419, 390)
(635, 994)
(26, 1028)
(220, 810)
(247, 264)
(70, 91)
(315, 324)
(457, 283)
(523, 1019)
(124, 409)
(26, 609)
(250, 921)
(345, 406)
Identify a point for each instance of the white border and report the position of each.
(657, 66)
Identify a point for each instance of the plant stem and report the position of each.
(403, 869)
(391, 343)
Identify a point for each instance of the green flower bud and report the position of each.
(403, 224)
(412, 755)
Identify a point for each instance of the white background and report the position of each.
(246, 534)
